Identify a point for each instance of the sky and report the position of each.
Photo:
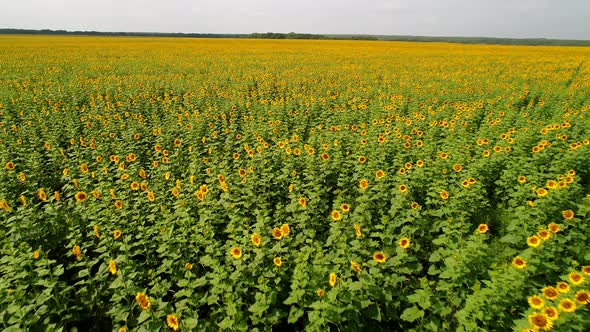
(562, 19)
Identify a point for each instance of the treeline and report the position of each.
(293, 35)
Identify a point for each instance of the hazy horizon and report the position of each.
(454, 18)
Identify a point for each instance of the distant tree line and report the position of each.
(294, 35)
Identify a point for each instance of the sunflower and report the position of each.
(10, 166)
(465, 183)
(4, 205)
(568, 214)
(533, 241)
(536, 302)
(143, 300)
(277, 261)
(444, 195)
(420, 163)
(325, 156)
(117, 234)
(563, 287)
(379, 257)
(544, 234)
(540, 322)
(551, 313)
(582, 297)
(345, 207)
(236, 252)
(553, 227)
(542, 192)
(586, 270)
(567, 305)
(576, 278)
(134, 186)
(482, 228)
(112, 267)
(151, 196)
(519, 263)
(404, 243)
(363, 184)
(285, 230)
(77, 252)
(256, 239)
(80, 196)
(550, 293)
(95, 230)
(457, 168)
(356, 266)
(414, 205)
(36, 254)
(357, 230)
(336, 215)
(379, 174)
(522, 179)
(320, 292)
(302, 201)
(118, 204)
(333, 279)
(276, 233)
(403, 188)
(188, 266)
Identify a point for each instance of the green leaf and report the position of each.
(412, 314)
(294, 314)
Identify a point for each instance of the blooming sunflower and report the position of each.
(363, 184)
(320, 292)
(117, 234)
(482, 228)
(344, 207)
(356, 266)
(586, 270)
(357, 230)
(336, 215)
(568, 214)
(554, 228)
(302, 201)
(522, 179)
(542, 192)
(576, 278)
(550, 293)
(563, 287)
(540, 322)
(403, 188)
(333, 279)
(256, 239)
(276, 233)
(567, 305)
(444, 195)
(143, 300)
(533, 241)
(285, 230)
(379, 257)
(379, 174)
(277, 261)
(80, 196)
(544, 234)
(536, 302)
(404, 243)
(582, 297)
(551, 313)
(519, 263)
(10, 166)
(236, 253)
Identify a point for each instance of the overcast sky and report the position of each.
(568, 19)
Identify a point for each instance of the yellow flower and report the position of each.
(563, 287)
(357, 230)
(533, 241)
(188, 266)
(36, 254)
(117, 234)
(404, 243)
(236, 252)
(567, 305)
(444, 195)
(379, 257)
(172, 321)
(582, 297)
(568, 214)
(336, 215)
(285, 230)
(550, 293)
(112, 267)
(80, 196)
(77, 252)
(536, 302)
(276, 233)
(379, 174)
(482, 228)
(356, 266)
(551, 313)
(143, 301)
(363, 184)
(519, 263)
(256, 239)
(277, 261)
(576, 278)
(96, 233)
(333, 279)
(320, 292)
(540, 321)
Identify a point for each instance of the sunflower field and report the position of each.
(154, 184)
